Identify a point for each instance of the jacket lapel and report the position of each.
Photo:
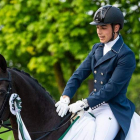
(107, 56)
(113, 52)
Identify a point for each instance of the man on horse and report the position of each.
(112, 63)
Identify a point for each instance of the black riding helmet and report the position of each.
(108, 15)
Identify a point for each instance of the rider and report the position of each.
(112, 63)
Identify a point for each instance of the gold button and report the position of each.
(101, 82)
(95, 81)
(95, 89)
(95, 71)
(102, 73)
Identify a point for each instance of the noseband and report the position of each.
(6, 99)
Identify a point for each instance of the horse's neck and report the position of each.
(38, 110)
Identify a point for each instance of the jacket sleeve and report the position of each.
(118, 81)
(83, 71)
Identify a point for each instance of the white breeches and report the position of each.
(103, 127)
(106, 125)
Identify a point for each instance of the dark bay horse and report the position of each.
(38, 110)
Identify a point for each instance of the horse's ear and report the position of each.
(3, 64)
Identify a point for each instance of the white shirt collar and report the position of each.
(108, 46)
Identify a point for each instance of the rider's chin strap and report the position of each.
(113, 33)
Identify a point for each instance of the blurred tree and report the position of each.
(49, 39)
(134, 91)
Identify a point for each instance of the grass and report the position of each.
(7, 135)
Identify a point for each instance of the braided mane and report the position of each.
(27, 74)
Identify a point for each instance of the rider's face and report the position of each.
(104, 32)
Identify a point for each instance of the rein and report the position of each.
(60, 125)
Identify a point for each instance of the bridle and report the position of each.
(7, 96)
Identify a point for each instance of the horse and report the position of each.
(38, 107)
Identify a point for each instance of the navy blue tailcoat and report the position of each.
(112, 73)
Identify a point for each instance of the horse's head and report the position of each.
(4, 90)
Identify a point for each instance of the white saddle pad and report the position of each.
(134, 131)
(84, 128)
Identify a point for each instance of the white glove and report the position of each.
(62, 106)
(79, 105)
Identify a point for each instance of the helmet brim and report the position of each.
(96, 23)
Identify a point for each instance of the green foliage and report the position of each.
(133, 92)
(37, 34)
(34, 35)
(6, 136)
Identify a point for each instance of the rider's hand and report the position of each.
(62, 105)
(79, 105)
